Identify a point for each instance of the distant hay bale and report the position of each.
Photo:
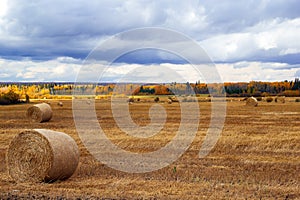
(60, 104)
(208, 99)
(39, 113)
(131, 99)
(169, 101)
(251, 101)
(259, 98)
(280, 99)
(269, 99)
(39, 155)
(173, 99)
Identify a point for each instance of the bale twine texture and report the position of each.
(41, 112)
(38, 155)
(251, 101)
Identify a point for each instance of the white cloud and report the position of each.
(140, 73)
(297, 73)
(256, 71)
(29, 70)
(3, 7)
(55, 70)
(277, 38)
(187, 17)
(4, 75)
(289, 51)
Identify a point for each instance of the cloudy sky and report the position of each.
(246, 40)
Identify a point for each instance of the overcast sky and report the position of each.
(247, 40)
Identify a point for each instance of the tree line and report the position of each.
(231, 89)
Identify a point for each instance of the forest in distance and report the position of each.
(48, 90)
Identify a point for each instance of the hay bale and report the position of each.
(60, 104)
(131, 99)
(251, 101)
(174, 99)
(269, 99)
(169, 101)
(38, 155)
(280, 99)
(39, 113)
(259, 98)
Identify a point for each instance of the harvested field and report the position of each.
(256, 157)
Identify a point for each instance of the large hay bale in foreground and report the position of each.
(38, 155)
(41, 112)
(251, 101)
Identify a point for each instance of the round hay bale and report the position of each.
(60, 104)
(269, 99)
(131, 99)
(259, 98)
(169, 101)
(174, 99)
(39, 113)
(251, 101)
(280, 99)
(38, 155)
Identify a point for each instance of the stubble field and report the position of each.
(256, 157)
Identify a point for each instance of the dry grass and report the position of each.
(257, 156)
